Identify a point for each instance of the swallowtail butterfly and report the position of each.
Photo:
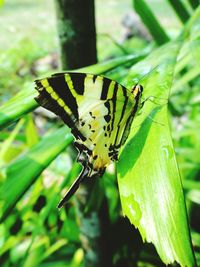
(99, 112)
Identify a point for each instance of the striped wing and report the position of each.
(99, 112)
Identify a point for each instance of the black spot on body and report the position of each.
(89, 152)
(111, 147)
(92, 115)
(107, 118)
(107, 105)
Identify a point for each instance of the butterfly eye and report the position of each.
(137, 89)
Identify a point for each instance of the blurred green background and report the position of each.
(33, 232)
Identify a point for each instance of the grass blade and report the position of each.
(180, 10)
(17, 106)
(152, 24)
(194, 3)
(21, 174)
(8, 141)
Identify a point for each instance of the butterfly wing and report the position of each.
(98, 111)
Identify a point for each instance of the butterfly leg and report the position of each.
(151, 99)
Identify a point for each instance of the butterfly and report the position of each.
(99, 112)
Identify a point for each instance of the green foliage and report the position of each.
(194, 3)
(180, 10)
(17, 63)
(36, 170)
(35, 161)
(156, 30)
(155, 190)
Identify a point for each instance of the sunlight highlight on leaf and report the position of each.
(148, 176)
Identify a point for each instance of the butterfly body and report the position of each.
(99, 112)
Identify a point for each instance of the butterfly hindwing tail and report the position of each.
(86, 172)
(74, 187)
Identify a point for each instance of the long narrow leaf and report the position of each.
(17, 106)
(7, 143)
(151, 22)
(194, 3)
(180, 10)
(21, 174)
(148, 176)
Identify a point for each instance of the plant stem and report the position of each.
(77, 34)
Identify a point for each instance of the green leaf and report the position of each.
(152, 24)
(8, 142)
(148, 176)
(31, 131)
(21, 174)
(194, 3)
(17, 106)
(55, 247)
(35, 255)
(109, 65)
(180, 10)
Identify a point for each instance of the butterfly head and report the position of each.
(137, 90)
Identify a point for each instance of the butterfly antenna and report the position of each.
(147, 73)
(139, 81)
(74, 187)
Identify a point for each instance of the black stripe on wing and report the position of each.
(129, 122)
(121, 117)
(78, 80)
(104, 92)
(45, 100)
(61, 87)
(114, 99)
